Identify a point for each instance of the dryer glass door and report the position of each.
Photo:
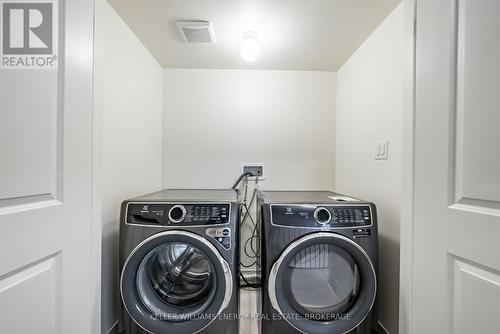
(322, 282)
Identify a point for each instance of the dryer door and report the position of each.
(175, 282)
(323, 283)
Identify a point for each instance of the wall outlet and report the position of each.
(382, 150)
(256, 169)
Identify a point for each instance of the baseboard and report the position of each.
(113, 329)
(382, 329)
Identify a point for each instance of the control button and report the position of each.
(322, 215)
(226, 231)
(218, 232)
(335, 218)
(177, 213)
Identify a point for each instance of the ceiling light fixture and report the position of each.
(250, 46)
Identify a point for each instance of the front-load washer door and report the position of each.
(323, 283)
(175, 282)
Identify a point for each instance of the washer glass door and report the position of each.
(175, 282)
(177, 275)
(322, 282)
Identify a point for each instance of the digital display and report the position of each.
(189, 214)
(303, 215)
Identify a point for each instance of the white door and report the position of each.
(456, 268)
(47, 270)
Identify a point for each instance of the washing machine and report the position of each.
(179, 262)
(319, 269)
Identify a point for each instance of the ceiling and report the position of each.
(293, 34)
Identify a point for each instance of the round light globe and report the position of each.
(249, 47)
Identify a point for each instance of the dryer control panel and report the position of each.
(318, 216)
(178, 214)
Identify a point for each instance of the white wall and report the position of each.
(216, 120)
(369, 109)
(128, 98)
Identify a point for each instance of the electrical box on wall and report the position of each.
(256, 169)
(381, 150)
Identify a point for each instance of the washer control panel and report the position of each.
(178, 214)
(318, 216)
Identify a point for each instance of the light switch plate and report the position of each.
(382, 150)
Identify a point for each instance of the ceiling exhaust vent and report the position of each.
(196, 31)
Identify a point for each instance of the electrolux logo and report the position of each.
(29, 34)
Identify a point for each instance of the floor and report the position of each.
(249, 309)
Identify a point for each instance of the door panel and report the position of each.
(47, 237)
(476, 291)
(30, 121)
(32, 111)
(31, 292)
(477, 112)
(457, 159)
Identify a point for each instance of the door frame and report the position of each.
(96, 224)
(408, 171)
(96, 200)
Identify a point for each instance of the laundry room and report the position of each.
(249, 166)
(324, 90)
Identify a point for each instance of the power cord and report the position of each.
(251, 247)
(235, 185)
(248, 284)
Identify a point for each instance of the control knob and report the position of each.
(177, 213)
(322, 215)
